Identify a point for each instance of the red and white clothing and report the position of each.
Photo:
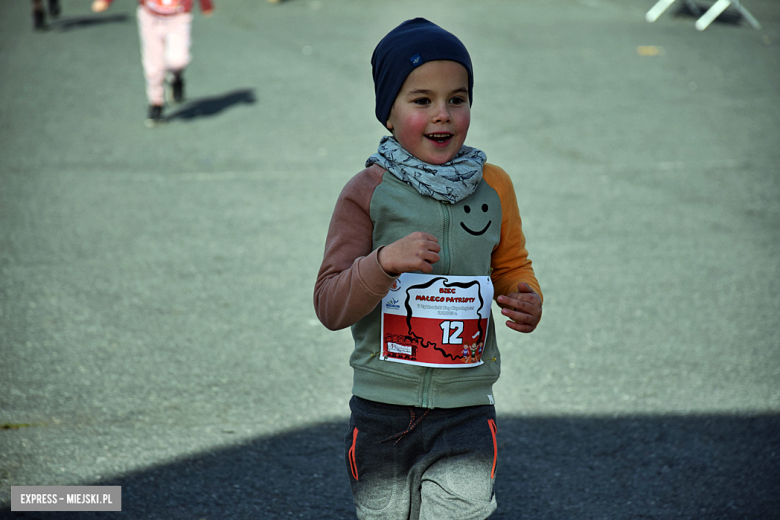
(169, 7)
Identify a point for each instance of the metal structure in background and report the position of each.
(707, 17)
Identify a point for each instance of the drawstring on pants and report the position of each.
(412, 425)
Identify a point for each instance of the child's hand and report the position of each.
(98, 6)
(415, 252)
(523, 308)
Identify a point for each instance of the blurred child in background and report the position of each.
(165, 28)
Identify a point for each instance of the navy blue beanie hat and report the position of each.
(406, 47)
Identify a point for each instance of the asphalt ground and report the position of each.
(156, 325)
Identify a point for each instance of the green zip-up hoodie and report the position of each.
(479, 236)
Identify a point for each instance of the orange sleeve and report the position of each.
(509, 261)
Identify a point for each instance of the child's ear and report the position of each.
(389, 125)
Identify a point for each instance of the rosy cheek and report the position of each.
(411, 129)
(465, 119)
(415, 125)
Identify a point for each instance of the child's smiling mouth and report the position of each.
(439, 138)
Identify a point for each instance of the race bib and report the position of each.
(436, 320)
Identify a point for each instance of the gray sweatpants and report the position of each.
(410, 463)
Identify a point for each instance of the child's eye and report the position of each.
(421, 101)
(457, 100)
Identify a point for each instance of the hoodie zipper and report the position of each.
(444, 239)
(426, 387)
(445, 258)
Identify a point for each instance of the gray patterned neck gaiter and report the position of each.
(449, 182)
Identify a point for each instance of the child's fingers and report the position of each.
(426, 239)
(424, 268)
(520, 300)
(521, 321)
(520, 327)
(523, 308)
(519, 305)
(426, 261)
(414, 252)
(521, 313)
(525, 294)
(425, 247)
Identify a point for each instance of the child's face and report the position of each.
(431, 114)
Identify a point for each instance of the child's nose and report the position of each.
(442, 113)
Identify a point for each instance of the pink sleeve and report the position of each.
(350, 282)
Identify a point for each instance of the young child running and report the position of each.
(164, 27)
(418, 244)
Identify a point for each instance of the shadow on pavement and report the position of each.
(211, 106)
(714, 467)
(69, 24)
